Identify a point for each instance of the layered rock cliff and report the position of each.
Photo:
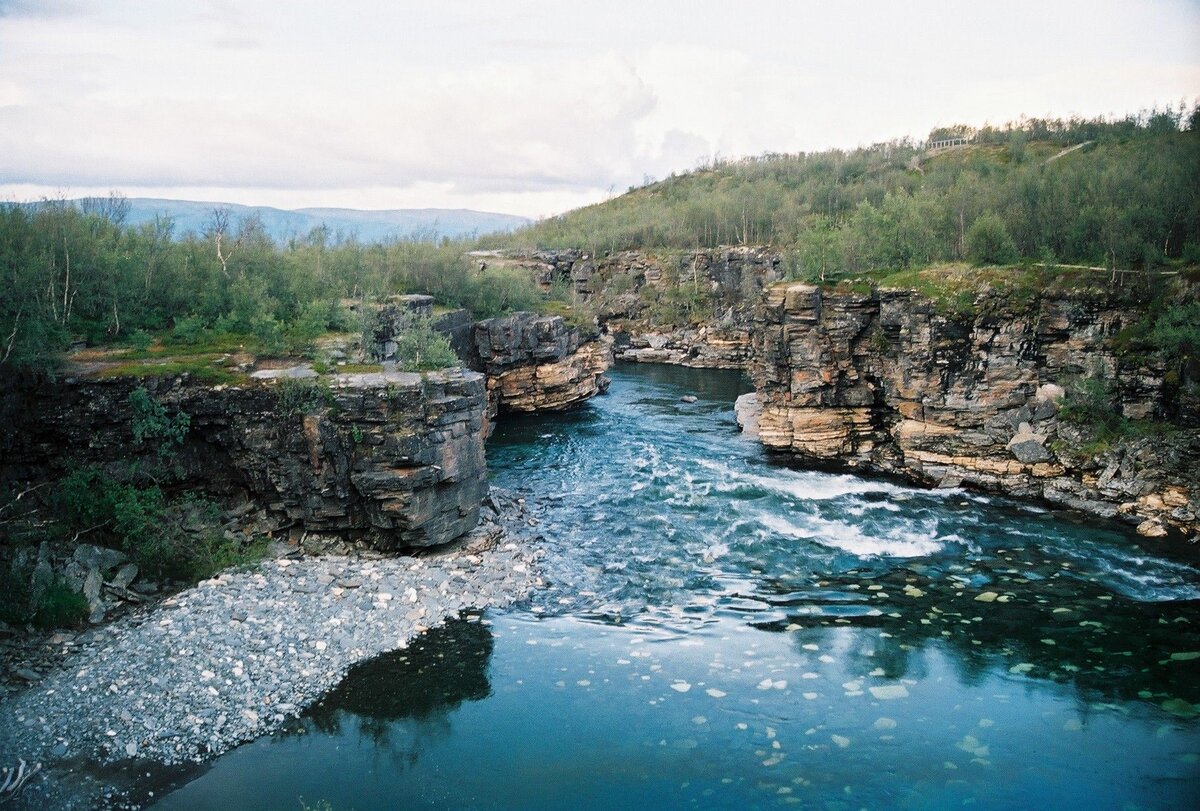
(532, 362)
(886, 381)
(692, 308)
(538, 363)
(394, 458)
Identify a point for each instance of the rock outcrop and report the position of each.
(393, 317)
(537, 363)
(393, 458)
(712, 346)
(691, 308)
(884, 381)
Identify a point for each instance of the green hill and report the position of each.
(1127, 195)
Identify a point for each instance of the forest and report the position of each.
(1120, 193)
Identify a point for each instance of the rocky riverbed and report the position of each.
(238, 655)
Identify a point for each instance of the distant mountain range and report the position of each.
(282, 225)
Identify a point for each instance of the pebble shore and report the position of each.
(238, 655)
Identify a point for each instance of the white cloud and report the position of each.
(532, 106)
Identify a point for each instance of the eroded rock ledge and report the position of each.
(537, 363)
(393, 458)
(883, 381)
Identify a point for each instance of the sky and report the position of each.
(532, 107)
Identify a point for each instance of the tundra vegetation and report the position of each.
(1131, 196)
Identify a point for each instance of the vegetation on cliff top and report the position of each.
(1130, 197)
(69, 275)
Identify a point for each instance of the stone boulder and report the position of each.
(396, 315)
(1029, 447)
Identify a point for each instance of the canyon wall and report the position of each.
(692, 308)
(393, 458)
(532, 362)
(886, 381)
(538, 363)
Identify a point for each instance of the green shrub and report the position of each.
(86, 498)
(179, 539)
(199, 555)
(421, 348)
(90, 500)
(141, 340)
(1176, 333)
(299, 396)
(1091, 403)
(989, 243)
(680, 304)
(581, 318)
(310, 323)
(189, 330)
(56, 606)
(150, 423)
(14, 596)
(500, 291)
(59, 606)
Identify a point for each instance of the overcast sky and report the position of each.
(531, 106)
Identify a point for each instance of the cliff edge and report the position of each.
(888, 381)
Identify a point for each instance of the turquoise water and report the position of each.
(721, 631)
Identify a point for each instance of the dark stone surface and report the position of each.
(394, 458)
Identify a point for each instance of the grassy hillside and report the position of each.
(1129, 196)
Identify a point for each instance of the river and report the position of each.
(722, 631)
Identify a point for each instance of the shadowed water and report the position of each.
(721, 631)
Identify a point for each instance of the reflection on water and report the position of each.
(363, 735)
(721, 631)
(422, 684)
(438, 672)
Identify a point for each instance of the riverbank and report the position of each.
(238, 655)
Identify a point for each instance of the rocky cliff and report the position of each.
(887, 381)
(538, 363)
(532, 362)
(393, 458)
(692, 308)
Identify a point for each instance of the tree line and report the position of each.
(79, 273)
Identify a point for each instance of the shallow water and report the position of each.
(724, 632)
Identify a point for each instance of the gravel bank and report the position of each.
(234, 657)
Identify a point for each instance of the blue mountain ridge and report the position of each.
(190, 216)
